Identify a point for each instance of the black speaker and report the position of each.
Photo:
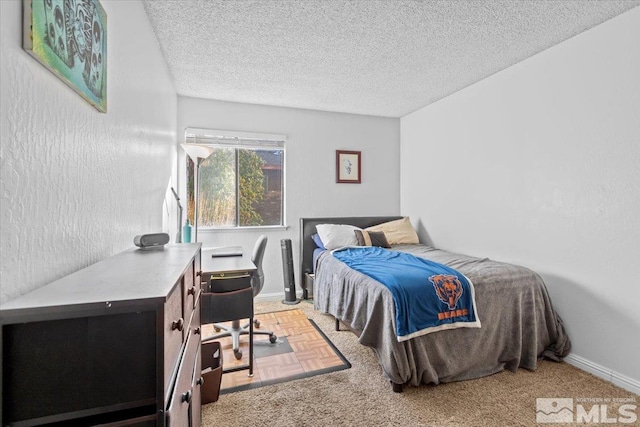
(287, 269)
(151, 241)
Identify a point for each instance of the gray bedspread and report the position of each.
(519, 323)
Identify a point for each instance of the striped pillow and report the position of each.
(371, 238)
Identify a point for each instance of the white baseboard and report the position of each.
(607, 374)
(274, 296)
(269, 297)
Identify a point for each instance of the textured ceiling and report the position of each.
(384, 58)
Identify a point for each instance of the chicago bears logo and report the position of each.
(448, 288)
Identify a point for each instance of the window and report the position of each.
(241, 183)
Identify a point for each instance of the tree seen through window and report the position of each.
(239, 187)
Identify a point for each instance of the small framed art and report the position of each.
(348, 167)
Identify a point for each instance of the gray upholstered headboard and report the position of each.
(308, 229)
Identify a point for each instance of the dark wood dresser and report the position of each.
(115, 344)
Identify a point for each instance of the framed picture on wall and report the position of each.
(348, 167)
(70, 39)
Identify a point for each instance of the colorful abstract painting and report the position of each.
(69, 37)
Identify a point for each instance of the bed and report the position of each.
(519, 324)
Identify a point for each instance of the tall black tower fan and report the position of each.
(287, 269)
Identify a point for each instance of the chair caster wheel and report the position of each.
(272, 339)
(257, 323)
(216, 329)
(237, 354)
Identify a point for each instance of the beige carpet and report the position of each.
(360, 396)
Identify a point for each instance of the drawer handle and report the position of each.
(177, 324)
(191, 291)
(186, 397)
(200, 381)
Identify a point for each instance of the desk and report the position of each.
(232, 273)
(225, 266)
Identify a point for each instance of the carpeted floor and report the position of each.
(360, 396)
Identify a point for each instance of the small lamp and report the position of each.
(198, 153)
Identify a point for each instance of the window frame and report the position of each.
(240, 140)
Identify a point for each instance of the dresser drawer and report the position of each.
(174, 331)
(196, 386)
(195, 320)
(189, 292)
(197, 269)
(182, 403)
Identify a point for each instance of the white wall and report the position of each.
(311, 190)
(540, 165)
(78, 185)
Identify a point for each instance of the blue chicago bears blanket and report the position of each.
(428, 296)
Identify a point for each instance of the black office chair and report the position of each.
(229, 299)
(256, 282)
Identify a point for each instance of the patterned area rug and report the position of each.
(302, 350)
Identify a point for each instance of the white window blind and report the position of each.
(232, 139)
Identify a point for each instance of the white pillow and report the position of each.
(336, 236)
